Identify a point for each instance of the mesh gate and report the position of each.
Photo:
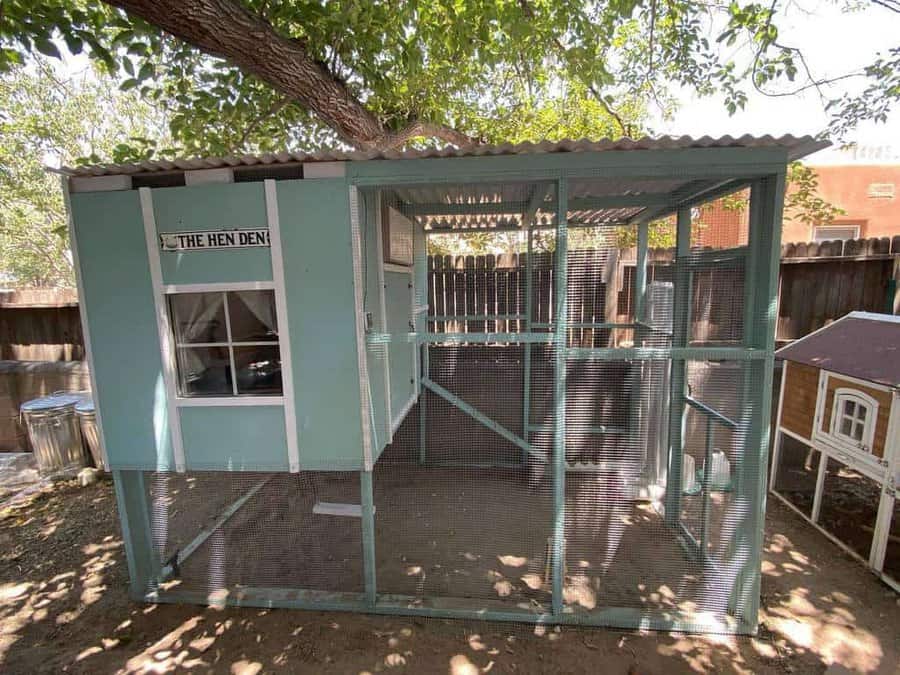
(584, 444)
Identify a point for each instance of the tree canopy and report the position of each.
(257, 75)
(47, 117)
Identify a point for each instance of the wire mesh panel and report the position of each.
(892, 554)
(849, 506)
(570, 451)
(461, 531)
(797, 473)
(215, 531)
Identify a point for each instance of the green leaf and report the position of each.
(46, 47)
(147, 71)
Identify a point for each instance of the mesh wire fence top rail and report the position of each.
(584, 444)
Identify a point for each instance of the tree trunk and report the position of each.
(226, 29)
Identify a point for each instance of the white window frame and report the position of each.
(235, 398)
(859, 398)
(836, 226)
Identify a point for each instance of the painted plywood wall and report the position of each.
(121, 315)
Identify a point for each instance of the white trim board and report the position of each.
(284, 339)
(239, 401)
(219, 287)
(85, 328)
(873, 316)
(776, 442)
(358, 281)
(167, 351)
(382, 302)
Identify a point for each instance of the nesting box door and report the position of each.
(852, 417)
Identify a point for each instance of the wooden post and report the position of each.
(681, 323)
(559, 399)
(526, 375)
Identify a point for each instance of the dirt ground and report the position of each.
(64, 608)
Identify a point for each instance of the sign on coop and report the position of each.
(214, 239)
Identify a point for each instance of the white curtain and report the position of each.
(195, 312)
(260, 303)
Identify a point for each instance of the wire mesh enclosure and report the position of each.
(585, 438)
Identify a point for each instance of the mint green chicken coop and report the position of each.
(305, 402)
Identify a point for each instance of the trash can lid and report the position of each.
(85, 405)
(52, 402)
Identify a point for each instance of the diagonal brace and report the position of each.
(482, 418)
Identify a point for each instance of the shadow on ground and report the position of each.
(63, 606)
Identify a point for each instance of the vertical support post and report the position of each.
(681, 322)
(559, 396)
(526, 375)
(423, 411)
(766, 206)
(378, 213)
(640, 272)
(707, 467)
(776, 446)
(140, 554)
(368, 535)
(878, 552)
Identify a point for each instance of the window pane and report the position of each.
(198, 317)
(204, 371)
(252, 316)
(861, 411)
(258, 370)
(849, 408)
(846, 426)
(858, 431)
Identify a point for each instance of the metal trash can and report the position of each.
(87, 418)
(54, 431)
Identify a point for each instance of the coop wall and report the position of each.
(801, 388)
(146, 422)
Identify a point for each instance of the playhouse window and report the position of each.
(226, 343)
(854, 418)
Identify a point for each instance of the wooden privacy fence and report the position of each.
(40, 325)
(820, 282)
(465, 290)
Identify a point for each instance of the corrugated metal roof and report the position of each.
(860, 344)
(796, 146)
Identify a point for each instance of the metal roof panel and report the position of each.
(796, 147)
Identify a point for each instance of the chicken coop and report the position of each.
(305, 404)
(836, 458)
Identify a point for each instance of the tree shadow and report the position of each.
(64, 606)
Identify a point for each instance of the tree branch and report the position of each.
(226, 29)
(274, 109)
(429, 130)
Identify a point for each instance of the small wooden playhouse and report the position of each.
(837, 447)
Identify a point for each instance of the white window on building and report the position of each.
(853, 418)
(226, 343)
(833, 232)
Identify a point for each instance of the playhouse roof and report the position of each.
(796, 147)
(860, 344)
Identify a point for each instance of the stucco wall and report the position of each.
(848, 187)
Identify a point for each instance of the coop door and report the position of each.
(398, 295)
